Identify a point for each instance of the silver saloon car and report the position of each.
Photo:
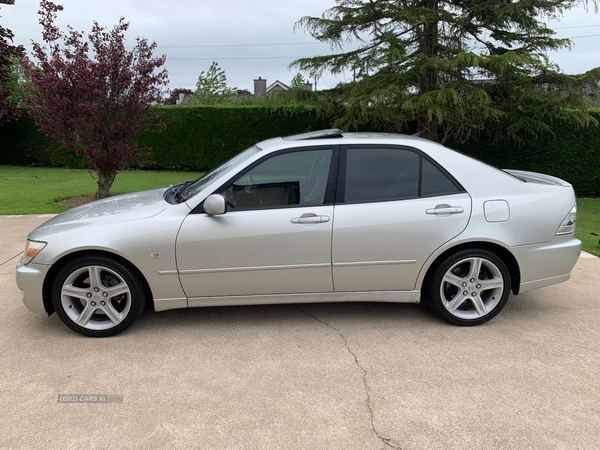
(319, 217)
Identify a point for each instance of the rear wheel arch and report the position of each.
(62, 262)
(506, 256)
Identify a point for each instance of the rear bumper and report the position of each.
(30, 279)
(546, 264)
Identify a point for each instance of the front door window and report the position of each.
(289, 179)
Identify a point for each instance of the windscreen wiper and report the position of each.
(177, 190)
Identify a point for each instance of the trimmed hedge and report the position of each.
(21, 144)
(201, 137)
(197, 138)
(571, 153)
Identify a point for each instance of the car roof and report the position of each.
(337, 137)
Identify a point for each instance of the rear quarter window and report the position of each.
(434, 181)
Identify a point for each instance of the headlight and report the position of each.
(32, 248)
(568, 225)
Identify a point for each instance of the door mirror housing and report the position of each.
(215, 205)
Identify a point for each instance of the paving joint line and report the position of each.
(9, 260)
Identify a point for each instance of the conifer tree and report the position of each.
(449, 67)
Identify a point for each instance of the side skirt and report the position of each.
(371, 296)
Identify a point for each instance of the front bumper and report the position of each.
(30, 279)
(548, 263)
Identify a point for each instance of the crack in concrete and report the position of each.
(9, 260)
(388, 442)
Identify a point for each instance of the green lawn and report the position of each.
(588, 224)
(35, 190)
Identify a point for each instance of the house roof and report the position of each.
(279, 84)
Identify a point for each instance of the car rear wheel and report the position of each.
(469, 287)
(98, 296)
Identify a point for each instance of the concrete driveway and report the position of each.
(329, 376)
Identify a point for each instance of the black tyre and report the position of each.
(98, 296)
(469, 287)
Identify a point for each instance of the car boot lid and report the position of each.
(539, 178)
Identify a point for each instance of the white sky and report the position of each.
(248, 38)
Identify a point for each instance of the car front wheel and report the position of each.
(469, 287)
(98, 296)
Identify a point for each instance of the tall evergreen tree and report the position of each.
(449, 66)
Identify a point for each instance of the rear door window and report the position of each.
(385, 174)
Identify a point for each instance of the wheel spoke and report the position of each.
(494, 283)
(85, 315)
(119, 289)
(479, 306)
(454, 280)
(112, 313)
(455, 303)
(75, 292)
(95, 280)
(475, 268)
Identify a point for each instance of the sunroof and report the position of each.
(321, 134)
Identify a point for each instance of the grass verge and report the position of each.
(35, 190)
(588, 224)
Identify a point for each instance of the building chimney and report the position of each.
(260, 87)
(307, 86)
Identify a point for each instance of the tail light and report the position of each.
(568, 225)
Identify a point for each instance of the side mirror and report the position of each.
(215, 205)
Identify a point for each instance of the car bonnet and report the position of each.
(139, 205)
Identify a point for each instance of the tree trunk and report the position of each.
(426, 128)
(105, 181)
(428, 46)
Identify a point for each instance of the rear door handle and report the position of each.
(310, 218)
(445, 209)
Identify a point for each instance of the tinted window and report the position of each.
(387, 174)
(381, 174)
(434, 182)
(298, 178)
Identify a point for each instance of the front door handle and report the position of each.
(310, 218)
(445, 209)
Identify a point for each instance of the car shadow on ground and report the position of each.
(286, 315)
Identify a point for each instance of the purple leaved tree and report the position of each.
(92, 95)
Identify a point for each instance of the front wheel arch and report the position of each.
(59, 264)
